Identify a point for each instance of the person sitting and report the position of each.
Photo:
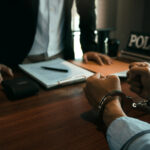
(134, 134)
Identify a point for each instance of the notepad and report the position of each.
(122, 74)
(51, 78)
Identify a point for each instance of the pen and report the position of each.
(54, 69)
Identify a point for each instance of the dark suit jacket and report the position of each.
(18, 26)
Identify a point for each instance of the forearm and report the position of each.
(112, 111)
(124, 131)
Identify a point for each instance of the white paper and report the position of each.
(50, 78)
(122, 74)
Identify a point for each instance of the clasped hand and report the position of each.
(138, 78)
(98, 86)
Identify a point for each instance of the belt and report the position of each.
(41, 57)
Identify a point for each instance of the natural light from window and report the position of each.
(76, 33)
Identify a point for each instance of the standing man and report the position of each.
(42, 29)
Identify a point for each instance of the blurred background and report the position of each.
(118, 18)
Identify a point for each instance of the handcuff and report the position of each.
(109, 97)
(101, 106)
(142, 105)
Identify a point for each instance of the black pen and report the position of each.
(54, 69)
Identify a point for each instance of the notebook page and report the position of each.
(51, 78)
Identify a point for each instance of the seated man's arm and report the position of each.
(122, 131)
(129, 134)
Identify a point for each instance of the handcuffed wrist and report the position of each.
(111, 96)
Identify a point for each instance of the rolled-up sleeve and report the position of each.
(128, 131)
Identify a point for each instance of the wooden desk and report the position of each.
(57, 119)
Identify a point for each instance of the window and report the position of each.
(76, 33)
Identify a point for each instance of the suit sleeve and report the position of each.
(86, 11)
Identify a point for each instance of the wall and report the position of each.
(125, 16)
(146, 20)
(106, 13)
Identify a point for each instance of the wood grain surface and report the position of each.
(56, 119)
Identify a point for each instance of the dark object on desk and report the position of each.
(18, 88)
(103, 38)
(107, 45)
(113, 47)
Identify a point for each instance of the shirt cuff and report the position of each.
(122, 129)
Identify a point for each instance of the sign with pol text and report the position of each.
(139, 43)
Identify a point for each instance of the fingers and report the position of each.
(97, 57)
(107, 60)
(99, 60)
(97, 75)
(113, 77)
(1, 78)
(98, 86)
(132, 77)
(85, 59)
(113, 82)
(92, 56)
(139, 64)
(138, 71)
(101, 77)
(139, 78)
(6, 69)
(92, 79)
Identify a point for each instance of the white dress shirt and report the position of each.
(48, 38)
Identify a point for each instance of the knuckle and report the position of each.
(147, 69)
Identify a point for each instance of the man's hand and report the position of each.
(139, 64)
(6, 70)
(97, 87)
(139, 79)
(97, 57)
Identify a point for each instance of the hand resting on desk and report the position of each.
(97, 57)
(133, 133)
(97, 87)
(5, 69)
